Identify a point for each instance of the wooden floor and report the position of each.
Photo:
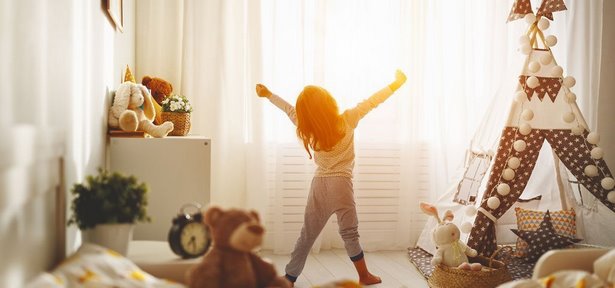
(392, 266)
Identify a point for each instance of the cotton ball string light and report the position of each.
(532, 82)
(527, 114)
(568, 117)
(571, 97)
(533, 66)
(508, 174)
(525, 129)
(590, 171)
(551, 40)
(546, 59)
(526, 49)
(608, 183)
(543, 24)
(519, 146)
(520, 96)
(597, 153)
(569, 81)
(471, 211)
(514, 162)
(530, 18)
(611, 196)
(503, 189)
(524, 40)
(557, 71)
(593, 138)
(493, 202)
(466, 227)
(578, 130)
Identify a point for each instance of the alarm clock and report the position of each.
(189, 237)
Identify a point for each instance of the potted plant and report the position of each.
(106, 208)
(176, 108)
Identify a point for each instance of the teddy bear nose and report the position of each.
(256, 229)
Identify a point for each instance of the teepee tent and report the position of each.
(542, 140)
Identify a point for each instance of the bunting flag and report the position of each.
(549, 86)
(519, 9)
(547, 7)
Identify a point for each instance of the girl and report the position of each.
(330, 136)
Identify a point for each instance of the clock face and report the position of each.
(194, 239)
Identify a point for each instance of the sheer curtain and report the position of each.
(408, 149)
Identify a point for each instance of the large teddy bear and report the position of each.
(133, 110)
(450, 250)
(231, 262)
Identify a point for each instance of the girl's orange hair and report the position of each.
(319, 124)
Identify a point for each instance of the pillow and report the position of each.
(564, 222)
(96, 266)
(543, 239)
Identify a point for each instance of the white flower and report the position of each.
(188, 107)
(165, 101)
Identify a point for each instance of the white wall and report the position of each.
(606, 101)
(59, 60)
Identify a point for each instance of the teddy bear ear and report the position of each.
(255, 215)
(430, 210)
(212, 215)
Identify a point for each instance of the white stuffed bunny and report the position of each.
(133, 110)
(450, 251)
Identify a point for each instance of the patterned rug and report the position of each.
(422, 260)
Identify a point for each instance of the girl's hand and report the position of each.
(262, 91)
(400, 79)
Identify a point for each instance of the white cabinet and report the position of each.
(176, 171)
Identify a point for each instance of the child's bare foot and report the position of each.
(369, 279)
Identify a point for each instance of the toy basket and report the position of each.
(494, 273)
(181, 122)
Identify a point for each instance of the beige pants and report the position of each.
(328, 195)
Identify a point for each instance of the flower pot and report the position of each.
(181, 122)
(113, 236)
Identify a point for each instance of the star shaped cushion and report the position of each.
(545, 238)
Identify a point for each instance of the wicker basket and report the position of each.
(181, 122)
(494, 273)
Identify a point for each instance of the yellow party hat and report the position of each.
(128, 76)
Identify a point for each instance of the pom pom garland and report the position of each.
(493, 202)
(533, 66)
(551, 40)
(503, 189)
(571, 97)
(520, 96)
(569, 81)
(466, 227)
(608, 183)
(532, 82)
(527, 114)
(525, 129)
(508, 174)
(526, 49)
(543, 24)
(591, 171)
(568, 117)
(471, 211)
(519, 146)
(578, 130)
(524, 40)
(593, 138)
(557, 71)
(530, 18)
(611, 196)
(597, 153)
(546, 59)
(514, 162)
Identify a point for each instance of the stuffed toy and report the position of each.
(133, 110)
(450, 251)
(160, 89)
(231, 262)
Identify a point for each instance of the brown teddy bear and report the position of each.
(159, 88)
(231, 262)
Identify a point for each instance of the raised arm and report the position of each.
(262, 91)
(358, 112)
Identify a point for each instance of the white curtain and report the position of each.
(454, 53)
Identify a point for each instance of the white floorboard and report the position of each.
(392, 266)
